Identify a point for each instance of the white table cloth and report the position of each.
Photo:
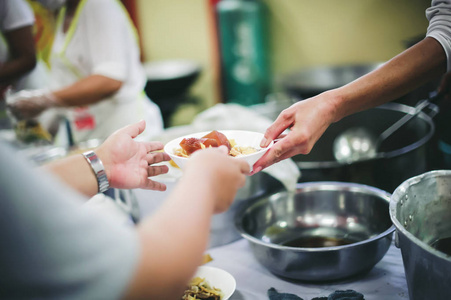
(386, 281)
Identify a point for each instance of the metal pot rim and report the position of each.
(381, 155)
(318, 185)
(396, 197)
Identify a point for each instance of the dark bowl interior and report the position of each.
(346, 215)
(325, 231)
(170, 79)
(168, 84)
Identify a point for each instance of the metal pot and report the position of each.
(402, 156)
(420, 209)
(256, 187)
(309, 82)
(168, 83)
(325, 231)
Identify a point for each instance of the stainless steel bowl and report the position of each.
(324, 231)
(257, 186)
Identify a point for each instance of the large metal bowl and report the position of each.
(303, 235)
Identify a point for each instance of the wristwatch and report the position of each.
(98, 169)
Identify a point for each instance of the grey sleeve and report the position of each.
(439, 16)
(52, 246)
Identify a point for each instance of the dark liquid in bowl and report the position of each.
(443, 245)
(317, 242)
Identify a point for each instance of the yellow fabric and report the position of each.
(70, 34)
(118, 111)
(73, 27)
(43, 31)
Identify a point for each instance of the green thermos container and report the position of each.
(243, 47)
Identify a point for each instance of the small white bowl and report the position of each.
(218, 278)
(242, 138)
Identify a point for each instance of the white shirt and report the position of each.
(103, 44)
(439, 16)
(102, 41)
(15, 14)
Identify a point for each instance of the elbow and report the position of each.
(112, 86)
(107, 86)
(25, 64)
(30, 62)
(115, 86)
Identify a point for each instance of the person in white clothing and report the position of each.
(17, 52)
(308, 119)
(96, 78)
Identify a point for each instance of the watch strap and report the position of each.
(98, 170)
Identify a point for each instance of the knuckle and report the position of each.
(285, 114)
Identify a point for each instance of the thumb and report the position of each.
(134, 130)
(223, 149)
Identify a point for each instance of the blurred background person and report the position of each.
(96, 80)
(17, 51)
(42, 24)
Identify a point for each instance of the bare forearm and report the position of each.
(14, 69)
(402, 74)
(23, 55)
(177, 236)
(89, 90)
(76, 172)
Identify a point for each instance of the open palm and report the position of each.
(129, 163)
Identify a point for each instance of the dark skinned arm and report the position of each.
(23, 55)
(87, 91)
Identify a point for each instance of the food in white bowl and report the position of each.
(210, 282)
(242, 144)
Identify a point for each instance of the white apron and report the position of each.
(99, 120)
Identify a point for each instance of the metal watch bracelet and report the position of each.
(98, 169)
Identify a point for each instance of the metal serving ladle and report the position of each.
(358, 143)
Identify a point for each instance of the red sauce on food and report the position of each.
(212, 139)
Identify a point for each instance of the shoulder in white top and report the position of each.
(439, 16)
(15, 14)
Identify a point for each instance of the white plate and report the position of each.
(218, 278)
(242, 138)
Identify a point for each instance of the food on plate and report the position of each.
(237, 150)
(212, 139)
(199, 288)
(30, 131)
(206, 258)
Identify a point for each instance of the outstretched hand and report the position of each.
(307, 121)
(129, 163)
